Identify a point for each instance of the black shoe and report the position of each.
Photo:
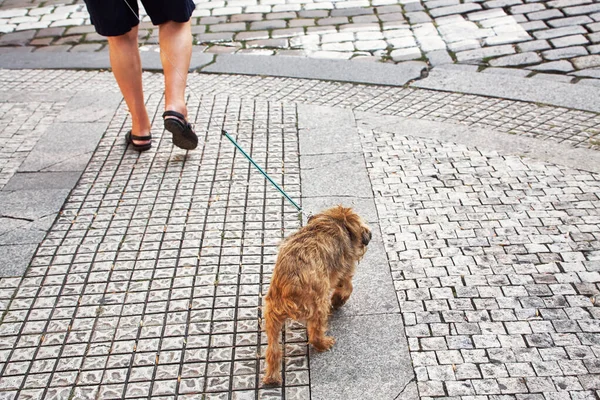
(184, 136)
(129, 138)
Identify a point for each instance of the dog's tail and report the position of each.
(273, 324)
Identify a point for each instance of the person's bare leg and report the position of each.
(127, 68)
(175, 39)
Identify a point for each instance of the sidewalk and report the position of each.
(548, 39)
(129, 275)
(158, 260)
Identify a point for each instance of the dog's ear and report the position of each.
(366, 237)
(352, 224)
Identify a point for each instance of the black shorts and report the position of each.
(115, 17)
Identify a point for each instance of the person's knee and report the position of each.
(126, 38)
(172, 26)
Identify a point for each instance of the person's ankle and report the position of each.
(141, 128)
(180, 108)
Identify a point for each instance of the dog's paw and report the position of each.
(338, 301)
(274, 379)
(324, 344)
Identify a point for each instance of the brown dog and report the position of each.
(312, 263)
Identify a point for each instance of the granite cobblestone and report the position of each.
(474, 31)
(520, 331)
(493, 257)
(147, 304)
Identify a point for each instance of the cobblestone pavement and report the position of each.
(23, 123)
(495, 261)
(148, 285)
(150, 281)
(561, 37)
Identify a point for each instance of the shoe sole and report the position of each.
(182, 138)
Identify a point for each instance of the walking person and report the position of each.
(118, 20)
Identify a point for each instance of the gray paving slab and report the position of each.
(89, 107)
(512, 87)
(549, 151)
(94, 60)
(9, 224)
(331, 157)
(14, 259)
(42, 180)
(64, 147)
(31, 204)
(67, 145)
(24, 96)
(373, 287)
(22, 236)
(13, 59)
(364, 206)
(340, 174)
(335, 70)
(368, 361)
(37, 192)
(326, 129)
(368, 328)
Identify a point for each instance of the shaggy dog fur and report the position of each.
(313, 273)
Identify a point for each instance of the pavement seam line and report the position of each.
(413, 379)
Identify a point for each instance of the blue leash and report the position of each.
(261, 170)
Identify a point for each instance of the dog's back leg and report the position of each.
(317, 325)
(273, 325)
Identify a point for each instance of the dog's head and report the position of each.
(358, 230)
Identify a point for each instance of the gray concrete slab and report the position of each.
(363, 206)
(20, 96)
(326, 128)
(22, 231)
(64, 147)
(58, 60)
(42, 180)
(34, 195)
(370, 358)
(86, 107)
(14, 259)
(340, 174)
(368, 361)
(547, 151)
(22, 236)
(13, 59)
(334, 70)
(373, 288)
(513, 88)
(31, 204)
(9, 224)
